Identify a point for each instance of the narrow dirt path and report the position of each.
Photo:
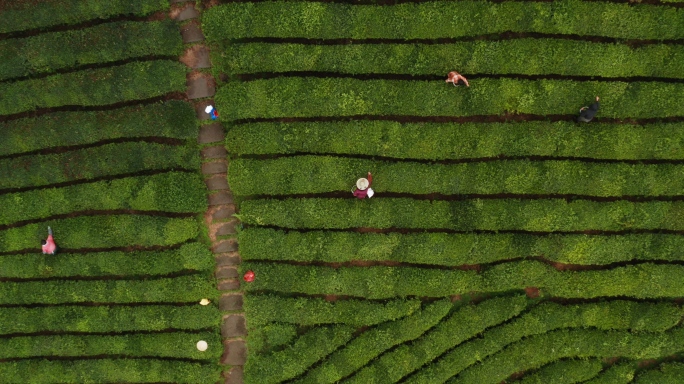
(219, 218)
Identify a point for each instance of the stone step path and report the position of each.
(201, 87)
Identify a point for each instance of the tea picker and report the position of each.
(363, 189)
(49, 246)
(588, 113)
(212, 112)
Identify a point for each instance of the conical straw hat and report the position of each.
(202, 345)
(362, 183)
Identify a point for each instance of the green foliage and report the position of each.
(94, 87)
(455, 249)
(320, 174)
(442, 141)
(439, 19)
(315, 97)
(546, 317)
(101, 232)
(370, 344)
(272, 335)
(667, 373)
(296, 358)
(172, 119)
(28, 15)
(615, 374)
(191, 256)
(94, 162)
(461, 325)
(520, 56)
(105, 318)
(107, 370)
(162, 290)
(262, 309)
(542, 215)
(166, 192)
(103, 43)
(564, 372)
(639, 281)
(174, 344)
(538, 350)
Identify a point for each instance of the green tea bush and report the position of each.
(620, 373)
(446, 141)
(320, 174)
(454, 249)
(267, 337)
(191, 256)
(439, 19)
(540, 349)
(666, 373)
(638, 281)
(167, 192)
(461, 325)
(174, 344)
(546, 317)
(21, 16)
(171, 119)
(107, 318)
(94, 162)
(94, 87)
(108, 370)
(564, 372)
(262, 309)
(371, 343)
(316, 97)
(93, 232)
(296, 358)
(162, 290)
(541, 215)
(539, 56)
(103, 43)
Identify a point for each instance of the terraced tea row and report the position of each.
(525, 56)
(308, 97)
(455, 249)
(651, 281)
(439, 19)
(455, 141)
(104, 43)
(323, 174)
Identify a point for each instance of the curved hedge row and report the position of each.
(372, 343)
(454, 249)
(101, 232)
(166, 192)
(542, 215)
(174, 344)
(103, 43)
(262, 309)
(615, 374)
(93, 162)
(439, 19)
(446, 141)
(639, 281)
(667, 373)
(94, 87)
(611, 315)
(316, 97)
(20, 15)
(191, 256)
(526, 56)
(102, 318)
(564, 372)
(321, 174)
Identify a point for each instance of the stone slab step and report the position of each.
(215, 167)
(227, 229)
(192, 33)
(225, 246)
(200, 106)
(187, 13)
(229, 285)
(200, 86)
(234, 353)
(226, 273)
(224, 212)
(234, 375)
(230, 302)
(221, 198)
(211, 133)
(217, 152)
(233, 326)
(229, 259)
(217, 182)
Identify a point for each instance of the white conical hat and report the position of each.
(209, 108)
(204, 301)
(202, 345)
(362, 183)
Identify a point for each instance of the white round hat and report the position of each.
(362, 183)
(202, 345)
(204, 301)
(209, 108)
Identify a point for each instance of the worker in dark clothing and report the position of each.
(588, 113)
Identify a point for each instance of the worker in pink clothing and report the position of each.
(457, 79)
(49, 246)
(363, 189)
